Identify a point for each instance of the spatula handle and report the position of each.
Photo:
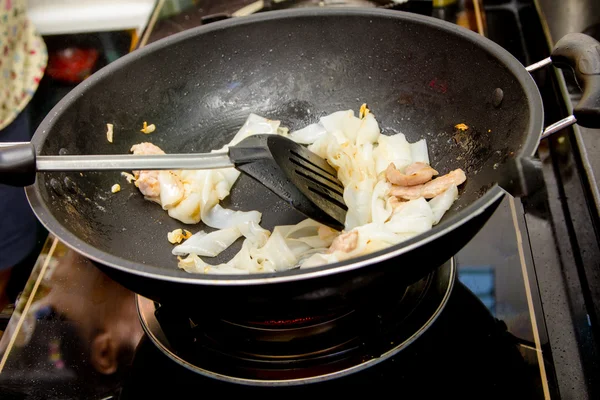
(19, 163)
(129, 162)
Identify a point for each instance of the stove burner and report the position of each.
(302, 350)
(291, 323)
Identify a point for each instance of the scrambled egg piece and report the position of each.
(178, 235)
(462, 127)
(115, 188)
(148, 128)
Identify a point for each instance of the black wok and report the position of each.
(419, 76)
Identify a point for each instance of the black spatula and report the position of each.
(300, 177)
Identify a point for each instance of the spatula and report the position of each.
(297, 175)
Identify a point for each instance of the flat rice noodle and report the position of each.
(171, 189)
(256, 235)
(309, 134)
(275, 253)
(255, 125)
(357, 196)
(392, 149)
(344, 122)
(221, 218)
(442, 203)
(381, 209)
(188, 209)
(419, 152)
(208, 245)
(195, 265)
(368, 131)
(413, 217)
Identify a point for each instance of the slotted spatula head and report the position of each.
(297, 175)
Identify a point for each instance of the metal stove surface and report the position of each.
(75, 333)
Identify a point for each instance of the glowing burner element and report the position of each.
(294, 322)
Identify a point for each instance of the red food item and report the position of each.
(71, 64)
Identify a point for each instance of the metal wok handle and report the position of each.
(581, 53)
(522, 176)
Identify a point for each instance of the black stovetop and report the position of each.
(519, 322)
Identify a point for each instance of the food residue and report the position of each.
(148, 128)
(178, 235)
(109, 132)
(364, 111)
(461, 126)
(115, 188)
(130, 178)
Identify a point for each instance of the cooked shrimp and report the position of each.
(430, 189)
(346, 242)
(414, 174)
(147, 181)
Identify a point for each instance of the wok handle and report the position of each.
(17, 164)
(521, 176)
(581, 53)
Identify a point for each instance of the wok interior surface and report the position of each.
(198, 87)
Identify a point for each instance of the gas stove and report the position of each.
(510, 316)
(298, 351)
(438, 329)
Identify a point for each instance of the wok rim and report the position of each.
(176, 275)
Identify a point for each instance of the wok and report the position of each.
(419, 75)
